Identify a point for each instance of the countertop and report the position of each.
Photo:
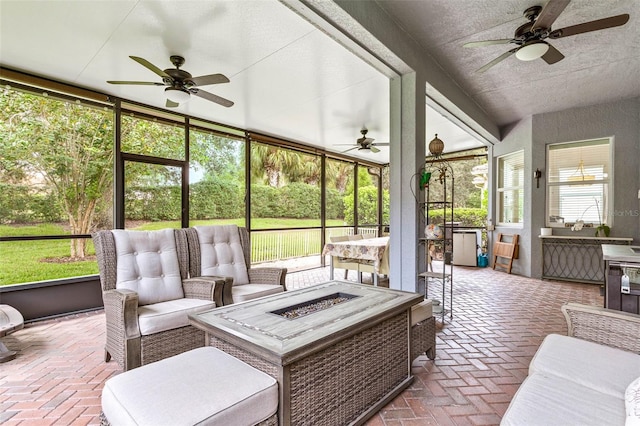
(584, 237)
(621, 253)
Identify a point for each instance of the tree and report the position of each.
(269, 163)
(305, 168)
(218, 156)
(340, 174)
(64, 146)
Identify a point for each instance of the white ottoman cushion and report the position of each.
(421, 311)
(603, 368)
(204, 386)
(551, 400)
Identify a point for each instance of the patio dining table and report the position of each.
(368, 251)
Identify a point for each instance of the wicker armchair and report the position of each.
(225, 250)
(148, 297)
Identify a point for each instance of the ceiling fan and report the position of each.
(180, 84)
(364, 143)
(530, 37)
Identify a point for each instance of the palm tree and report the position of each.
(340, 173)
(271, 164)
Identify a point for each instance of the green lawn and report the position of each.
(29, 261)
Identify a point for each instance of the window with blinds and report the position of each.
(578, 180)
(511, 188)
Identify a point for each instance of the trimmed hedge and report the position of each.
(367, 203)
(473, 217)
(296, 200)
(221, 200)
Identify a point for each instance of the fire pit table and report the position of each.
(339, 350)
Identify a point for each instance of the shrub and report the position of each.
(472, 217)
(367, 203)
(21, 204)
(216, 199)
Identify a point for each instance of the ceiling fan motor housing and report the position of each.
(180, 84)
(530, 37)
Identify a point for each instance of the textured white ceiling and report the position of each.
(290, 79)
(287, 78)
(599, 67)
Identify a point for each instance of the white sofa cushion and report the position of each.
(546, 400)
(204, 386)
(147, 263)
(168, 315)
(603, 368)
(632, 403)
(221, 252)
(242, 293)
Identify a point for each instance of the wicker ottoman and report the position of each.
(423, 330)
(204, 386)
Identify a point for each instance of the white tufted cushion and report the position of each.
(221, 252)
(147, 263)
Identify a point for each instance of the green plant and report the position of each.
(603, 228)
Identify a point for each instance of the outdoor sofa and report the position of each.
(590, 377)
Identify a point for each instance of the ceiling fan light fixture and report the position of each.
(177, 95)
(532, 50)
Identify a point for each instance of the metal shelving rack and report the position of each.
(441, 173)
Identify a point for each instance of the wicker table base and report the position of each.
(342, 376)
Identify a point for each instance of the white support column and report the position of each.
(406, 159)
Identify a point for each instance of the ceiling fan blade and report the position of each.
(211, 97)
(143, 83)
(204, 80)
(374, 149)
(500, 58)
(350, 149)
(486, 42)
(171, 104)
(553, 55)
(549, 14)
(150, 66)
(383, 144)
(585, 27)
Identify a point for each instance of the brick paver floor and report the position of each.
(483, 353)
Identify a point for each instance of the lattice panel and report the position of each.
(575, 259)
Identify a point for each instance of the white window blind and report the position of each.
(578, 179)
(510, 188)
